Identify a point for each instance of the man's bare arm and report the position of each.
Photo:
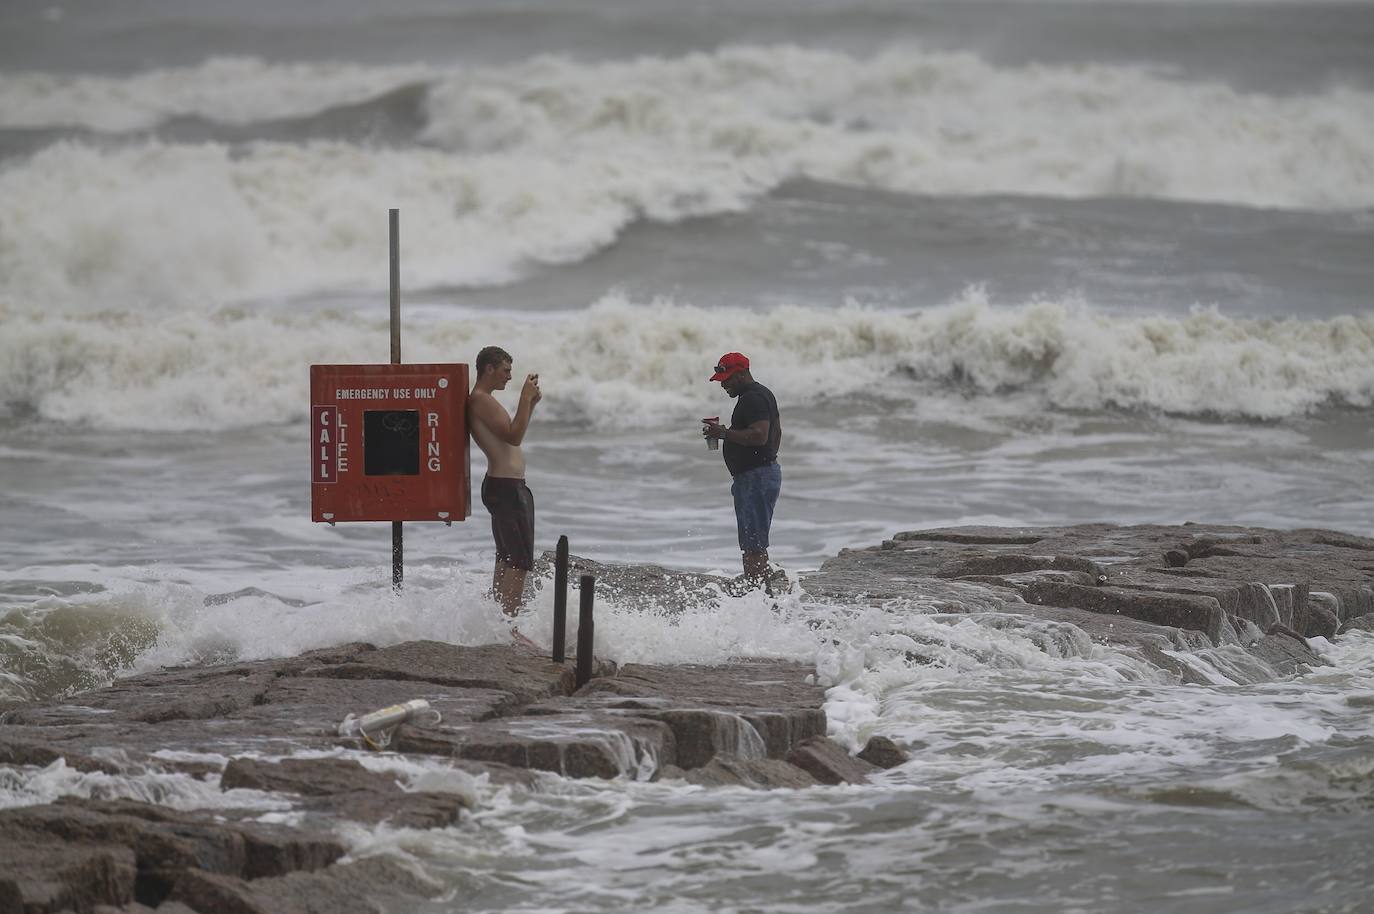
(493, 415)
(756, 435)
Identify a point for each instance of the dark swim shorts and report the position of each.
(512, 520)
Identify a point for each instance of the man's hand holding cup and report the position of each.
(712, 431)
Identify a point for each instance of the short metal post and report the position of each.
(560, 602)
(585, 631)
(397, 537)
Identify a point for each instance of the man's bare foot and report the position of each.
(519, 640)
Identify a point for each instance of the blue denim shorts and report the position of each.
(756, 492)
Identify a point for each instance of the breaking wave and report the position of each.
(547, 161)
(620, 360)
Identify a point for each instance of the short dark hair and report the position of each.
(491, 355)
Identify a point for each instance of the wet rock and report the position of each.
(1120, 632)
(773, 684)
(877, 576)
(781, 730)
(828, 762)
(38, 875)
(1279, 628)
(700, 734)
(573, 745)
(273, 851)
(728, 771)
(1288, 655)
(1286, 599)
(1154, 654)
(1199, 613)
(1355, 600)
(369, 886)
(997, 536)
(772, 696)
(506, 713)
(345, 789)
(1246, 631)
(79, 839)
(193, 694)
(1257, 603)
(41, 746)
(1176, 558)
(1334, 538)
(1210, 545)
(307, 777)
(526, 675)
(1017, 563)
(323, 701)
(1301, 578)
(1022, 580)
(1364, 623)
(883, 752)
(418, 810)
(503, 711)
(1316, 619)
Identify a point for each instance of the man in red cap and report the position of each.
(751, 455)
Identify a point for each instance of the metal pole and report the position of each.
(560, 602)
(397, 555)
(395, 287)
(397, 537)
(585, 631)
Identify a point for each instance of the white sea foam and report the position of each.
(905, 119)
(928, 122)
(190, 226)
(549, 160)
(31, 786)
(622, 360)
(443, 606)
(450, 606)
(1000, 710)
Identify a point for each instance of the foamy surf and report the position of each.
(235, 368)
(906, 119)
(548, 161)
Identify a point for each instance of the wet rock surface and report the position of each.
(75, 853)
(883, 752)
(514, 717)
(1153, 590)
(507, 714)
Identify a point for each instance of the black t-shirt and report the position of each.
(755, 402)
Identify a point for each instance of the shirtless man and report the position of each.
(504, 492)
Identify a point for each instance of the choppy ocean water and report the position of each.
(1002, 263)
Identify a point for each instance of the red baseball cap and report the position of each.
(729, 364)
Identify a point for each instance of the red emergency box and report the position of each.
(389, 442)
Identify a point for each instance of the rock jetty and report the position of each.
(1144, 589)
(507, 714)
(514, 717)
